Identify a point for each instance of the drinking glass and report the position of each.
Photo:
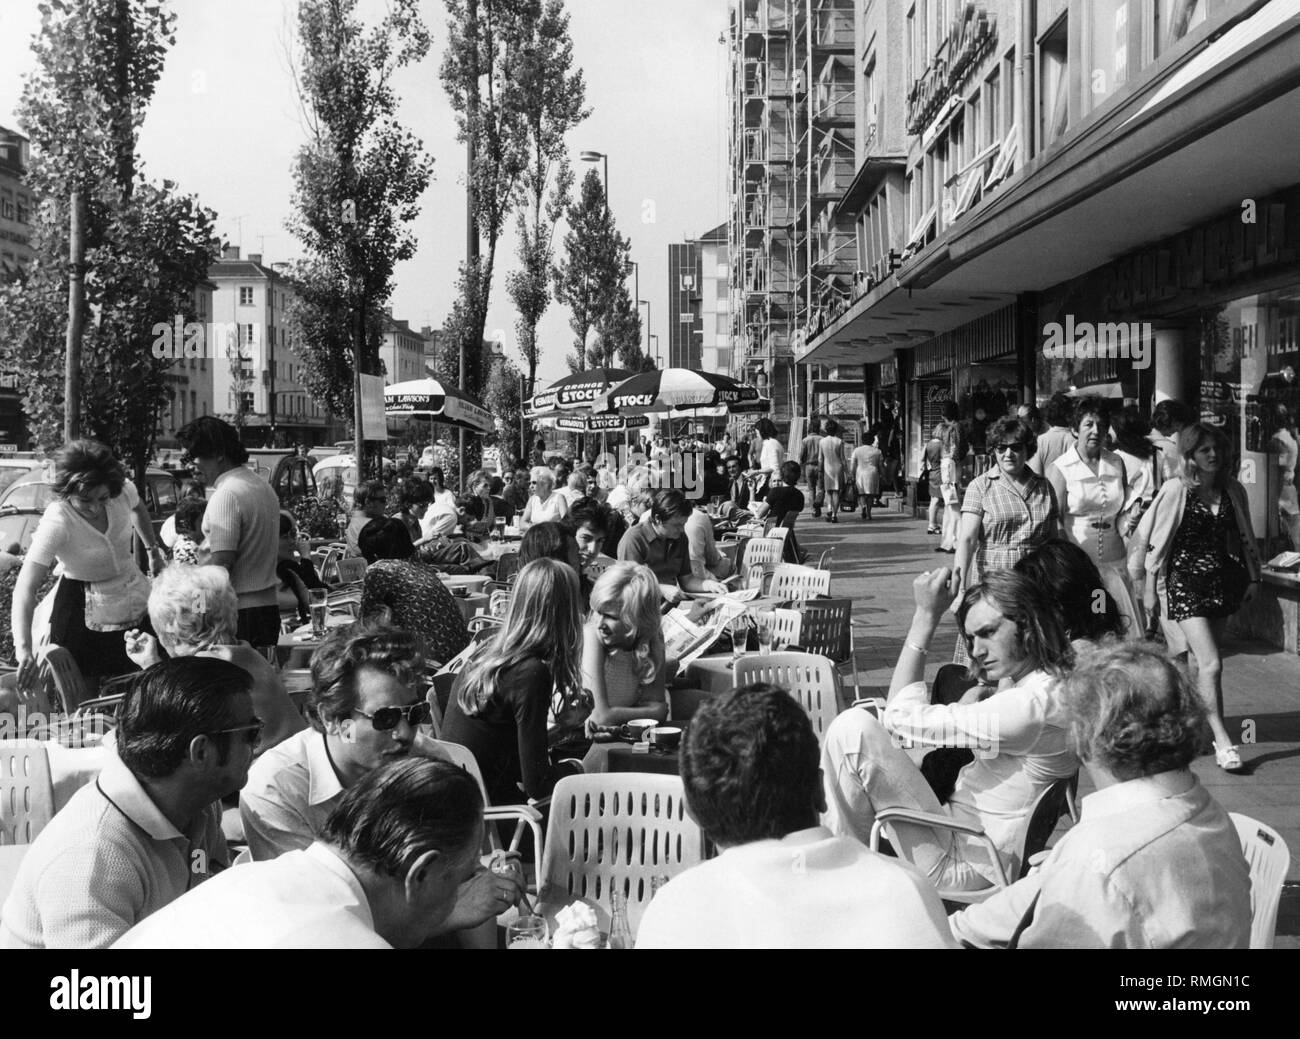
(739, 628)
(319, 600)
(766, 632)
(526, 932)
(716, 502)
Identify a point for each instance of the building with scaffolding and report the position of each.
(793, 127)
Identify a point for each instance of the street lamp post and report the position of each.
(590, 156)
(648, 336)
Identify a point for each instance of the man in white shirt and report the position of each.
(1154, 862)
(1018, 646)
(384, 874)
(241, 525)
(749, 767)
(702, 545)
(149, 827)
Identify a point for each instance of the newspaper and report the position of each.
(690, 629)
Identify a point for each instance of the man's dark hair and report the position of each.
(948, 409)
(790, 473)
(589, 513)
(170, 704)
(413, 492)
(1171, 415)
(669, 503)
(1059, 410)
(345, 651)
(750, 766)
(81, 466)
(385, 538)
(209, 437)
(729, 459)
(368, 490)
(1074, 587)
(189, 515)
(395, 814)
(831, 428)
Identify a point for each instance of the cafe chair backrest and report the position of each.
(1269, 859)
(26, 790)
(351, 570)
(59, 669)
(507, 567)
(617, 831)
(791, 581)
(809, 678)
(763, 552)
(827, 627)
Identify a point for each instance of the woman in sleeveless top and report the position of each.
(1091, 491)
(623, 660)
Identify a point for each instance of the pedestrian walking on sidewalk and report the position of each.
(810, 461)
(832, 449)
(954, 449)
(1196, 552)
(864, 471)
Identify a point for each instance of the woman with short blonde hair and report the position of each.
(624, 663)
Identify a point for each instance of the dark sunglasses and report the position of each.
(1017, 448)
(419, 713)
(252, 731)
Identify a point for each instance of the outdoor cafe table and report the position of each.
(620, 757)
(294, 650)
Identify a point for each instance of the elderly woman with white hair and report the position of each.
(545, 505)
(194, 611)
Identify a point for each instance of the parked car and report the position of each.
(24, 501)
(337, 475)
(288, 473)
(12, 466)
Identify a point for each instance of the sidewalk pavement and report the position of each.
(874, 564)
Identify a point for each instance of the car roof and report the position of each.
(37, 475)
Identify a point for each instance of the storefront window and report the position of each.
(1053, 87)
(1106, 66)
(1250, 353)
(1175, 19)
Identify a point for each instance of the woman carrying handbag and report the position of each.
(1196, 556)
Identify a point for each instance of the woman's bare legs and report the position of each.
(1203, 641)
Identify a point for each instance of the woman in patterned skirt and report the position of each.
(1197, 552)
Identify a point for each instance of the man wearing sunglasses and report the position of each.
(149, 828)
(366, 713)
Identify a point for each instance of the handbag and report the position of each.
(119, 602)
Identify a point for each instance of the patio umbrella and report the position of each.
(575, 392)
(670, 390)
(429, 398)
(597, 423)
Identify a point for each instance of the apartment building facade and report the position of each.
(403, 351)
(257, 376)
(793, 101)
(17, 213)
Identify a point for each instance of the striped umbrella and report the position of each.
(428, 398)
(676, 389)
(575, 392)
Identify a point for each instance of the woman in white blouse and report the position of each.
(771, 456)
(102, 592)
(545, 505)
(441, 496)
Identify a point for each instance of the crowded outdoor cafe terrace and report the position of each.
(574, 708)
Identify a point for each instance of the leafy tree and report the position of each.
(144, 246)
(358, 182)
(596, 263)
(554, 96)
(620, 334)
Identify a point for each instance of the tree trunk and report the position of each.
(76, 300)
(358, 368)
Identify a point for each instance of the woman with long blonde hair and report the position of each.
(499, 703)
(624, 665)
(1196, 554)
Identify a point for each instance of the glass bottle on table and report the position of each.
(620, 932)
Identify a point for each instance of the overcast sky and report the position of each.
(224, 126)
